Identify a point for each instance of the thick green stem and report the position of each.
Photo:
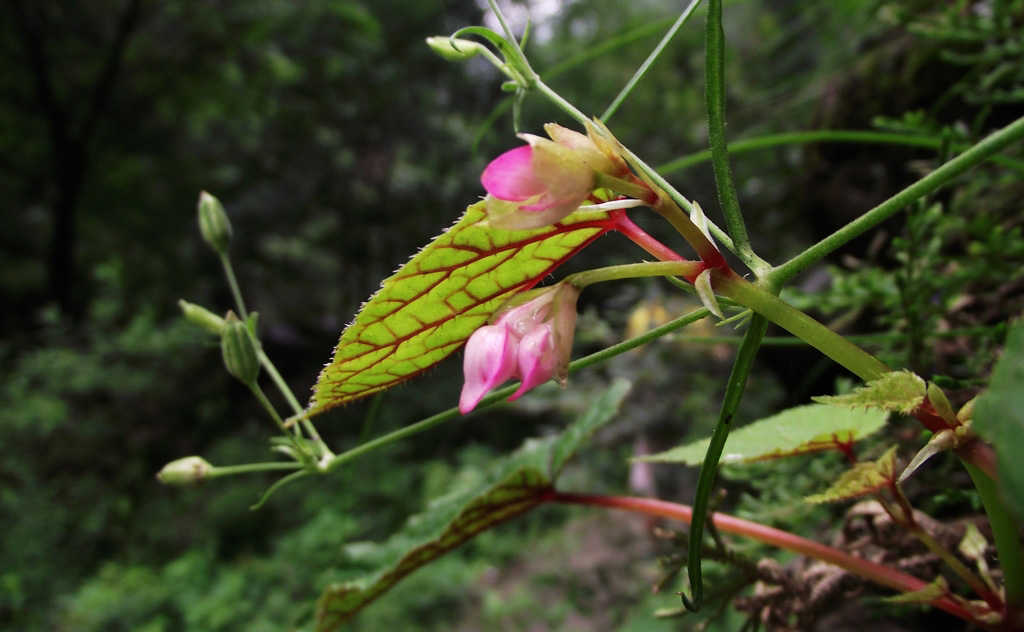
(995, 142)
(729, 524)
(706, 479)
(853, 358)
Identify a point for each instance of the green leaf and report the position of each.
(513, 487)
(862, 479)
(937, 589)
(999, 418)
(428, 309)
(899, 391)
(810, 428)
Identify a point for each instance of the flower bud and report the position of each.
(239, 351)
(187, 471)
(530, 337)
(453, 48)
(199, 315)
(213, 223)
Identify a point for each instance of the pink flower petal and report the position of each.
(510, 176)
(490, 359)
(537, 358)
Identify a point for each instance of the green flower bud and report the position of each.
(199, 315)
(187, 471)
(453, 48)
(213, 222)
(239, 351)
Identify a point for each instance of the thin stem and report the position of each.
(888, 577)
(558, 100)
(706, 479)
(995, 142)
(509, 35)
(500, 394)
(294, 476)
(265, 362)
(644, 67)
(827, 136)
(903, 515)
(793, 341)
(262, 397)
(635, 271)
(278, 381)
(229, 272)
(250, 468)
(714, 96)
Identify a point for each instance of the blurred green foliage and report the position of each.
(340, 144)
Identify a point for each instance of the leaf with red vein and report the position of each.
(515, 485)
(799, 430)
(431, 305)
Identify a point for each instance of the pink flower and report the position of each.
(541, 183)
(529, 338)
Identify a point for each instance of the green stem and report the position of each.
(500, 394)
(265, 362)
(258, 391)
(995, 142)
(903, 514)
(1006, 533)
(714, 97)
(853, 358)
(635, 270)
(251, 468)
(827, 136)
(706, 479)
(229, 272)
(644, 67)
(294, 476)
(775, 537)
(559, 101)
(278, 381)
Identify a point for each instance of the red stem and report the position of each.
(637, 235)
(729, 524)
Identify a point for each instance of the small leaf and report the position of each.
(514, 486)
(940, 442)
(941, 404)
(899, 391)
(428, 309)
(707, 295)
(810, 428)
(937, 589)
(863, 479)
(999, 418)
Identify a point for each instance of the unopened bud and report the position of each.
(187, 471)
(213, 222)
(453, 48)
(199, 315)
(239, 351)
